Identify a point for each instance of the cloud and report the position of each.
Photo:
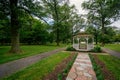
(78, 3)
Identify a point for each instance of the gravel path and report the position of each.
(14, 66)
(114, 53)
(82, 69)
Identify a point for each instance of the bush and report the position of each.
(96, 49)
(70, 48)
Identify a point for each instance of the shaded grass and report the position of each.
(40, 69)
(112, 63)
(115, 47)
(27, 51)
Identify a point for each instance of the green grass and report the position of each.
(38, 70)
(112, 63)
(96, 68)
(27, 51)
(115, 47)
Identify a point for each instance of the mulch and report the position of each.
(59, 69)
(107, 74)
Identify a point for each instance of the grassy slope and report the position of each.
(115, 47)
(27, 51)
(112, 63)
(38, 70)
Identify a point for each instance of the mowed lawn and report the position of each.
(112, 63)
(115, 47)
(27, 51)
(38, 70)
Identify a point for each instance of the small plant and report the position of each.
(70, 48)
(66, 70)
(96, 49)
(97, 69)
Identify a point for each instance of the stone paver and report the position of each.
(111, 52)
(14, 66)
(82, 69)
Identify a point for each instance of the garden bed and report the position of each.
(102, 72)
(62, 69)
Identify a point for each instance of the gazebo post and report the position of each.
(93, 41)
(78, 42)
(87, 42)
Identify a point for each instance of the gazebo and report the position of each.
(83, 42)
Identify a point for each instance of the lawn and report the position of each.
(115, 47)
(112, 63)
(38, 70)
(27, 51)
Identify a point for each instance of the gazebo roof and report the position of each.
(83, 34)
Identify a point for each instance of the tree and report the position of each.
(59, 12)
(13, 9)
(102, 12)
(94, 31)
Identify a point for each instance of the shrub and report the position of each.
(70, 48)
(96, 49)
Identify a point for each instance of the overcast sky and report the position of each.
(77, 3)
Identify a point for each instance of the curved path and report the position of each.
(14, 66)
(111, 52)
(82, 69)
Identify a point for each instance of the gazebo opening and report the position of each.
(83, 42)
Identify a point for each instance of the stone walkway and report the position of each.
(111, 52)
(14, 66)
(82, 69)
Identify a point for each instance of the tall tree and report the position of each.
(12, 10)
(102, 12)
(14, 27)
(59, 12)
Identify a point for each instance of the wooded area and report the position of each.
(26, 21)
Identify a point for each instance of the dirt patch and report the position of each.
(59, 69)
(107, 74)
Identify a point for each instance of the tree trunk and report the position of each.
(103, 31)
(15, 47)
(57, 37)
(57, 20)
(96, 41)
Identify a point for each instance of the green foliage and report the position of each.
(98, 16)
(117, 37)
(97, 69)
(36, 34)
(38, 70)
(27, 51)
(96, 49)
(112, 64)
(67, 69)
(70, 48)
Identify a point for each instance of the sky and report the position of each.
(78, 3)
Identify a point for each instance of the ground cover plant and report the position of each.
(112, 64)
(108, 72)
(62, 69)
(70, 48)
(115, 47)
(40, 69)
(27, 51)
(96, 49)
(97, 69)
